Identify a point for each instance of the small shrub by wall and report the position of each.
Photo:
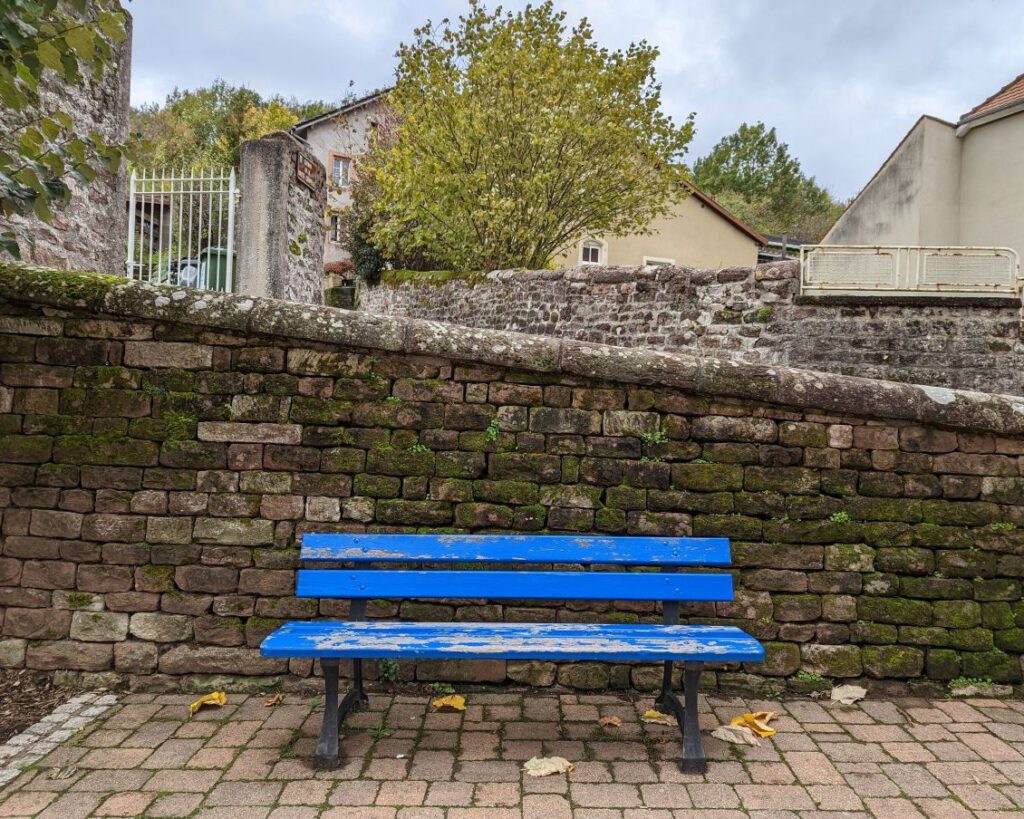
(162, 451)
(750, 314)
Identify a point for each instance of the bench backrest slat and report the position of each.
(497, 585)
(585, 549)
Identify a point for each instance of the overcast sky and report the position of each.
(842, 80)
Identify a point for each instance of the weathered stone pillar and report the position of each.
(90, 232)
(284, 194)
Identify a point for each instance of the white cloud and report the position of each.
(841, 79)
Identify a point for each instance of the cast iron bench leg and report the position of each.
(326, 755)
(327, 748)
(357, 674)
(693, 748)
(693, 760)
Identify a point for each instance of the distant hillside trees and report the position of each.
(207, 126)
(754, 175)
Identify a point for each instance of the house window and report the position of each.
(655, 261)
(341, 169)
(591, 252)
(334, 229)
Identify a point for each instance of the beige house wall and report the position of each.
(888, 210)
(693, 235)
(940, 185)
(992, 186)
(938, 188)
(348, 135)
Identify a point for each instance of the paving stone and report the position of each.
(861, 761)
(175, 804)
(546, 806)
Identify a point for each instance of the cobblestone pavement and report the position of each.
(899, 760)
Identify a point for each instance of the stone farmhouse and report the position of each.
(698, 233)
(337, 138)
(948, 183)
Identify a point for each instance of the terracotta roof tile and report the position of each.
(1009, 94)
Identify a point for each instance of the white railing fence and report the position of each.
(908, 270)
(181, 227)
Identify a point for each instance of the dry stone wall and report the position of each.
(162, 451)
(749, 314)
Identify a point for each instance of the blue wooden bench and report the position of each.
(376, 576)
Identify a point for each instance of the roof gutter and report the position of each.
(1007, 110)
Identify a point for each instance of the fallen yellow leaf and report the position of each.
(757, 722)
(218, 698)
(453, 702)
(657, 718)
(277, 699)
(610, 722)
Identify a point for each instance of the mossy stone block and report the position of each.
(532, 672)
(997, 615)
(970, 639)
(427, 612)
(936, 588)
(584, 676)
(811, 531)
(883, 534)
(26, 449)
(995, 665)
(924, 636)
(895, 610)
(414, 513)
(849, 557)
(799, 433)
(780, 659)
(997, 589)
(942, 664)
(610, 520)
(965, 563)
(799, 608)
(310, 410)
(736, 527)
(873, 633)
(906, 560)
(957, 613)
(1011, 639)
(112, 451)
(881, 584)
(714, 477)
(400, 462)
(833, 660)
(893, 662)
(376, 486)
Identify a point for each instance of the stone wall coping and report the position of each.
(114, 295)
(608, 274)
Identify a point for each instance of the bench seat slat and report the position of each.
(649, 551)
(505, 585)
(538, 641)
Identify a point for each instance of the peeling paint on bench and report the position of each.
(541, 641)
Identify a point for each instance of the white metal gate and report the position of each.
(899, 270)
(181, 227)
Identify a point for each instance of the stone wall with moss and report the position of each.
(90, 231)
(162, 451)
(753, 315)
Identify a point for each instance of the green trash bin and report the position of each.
(214, 262)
